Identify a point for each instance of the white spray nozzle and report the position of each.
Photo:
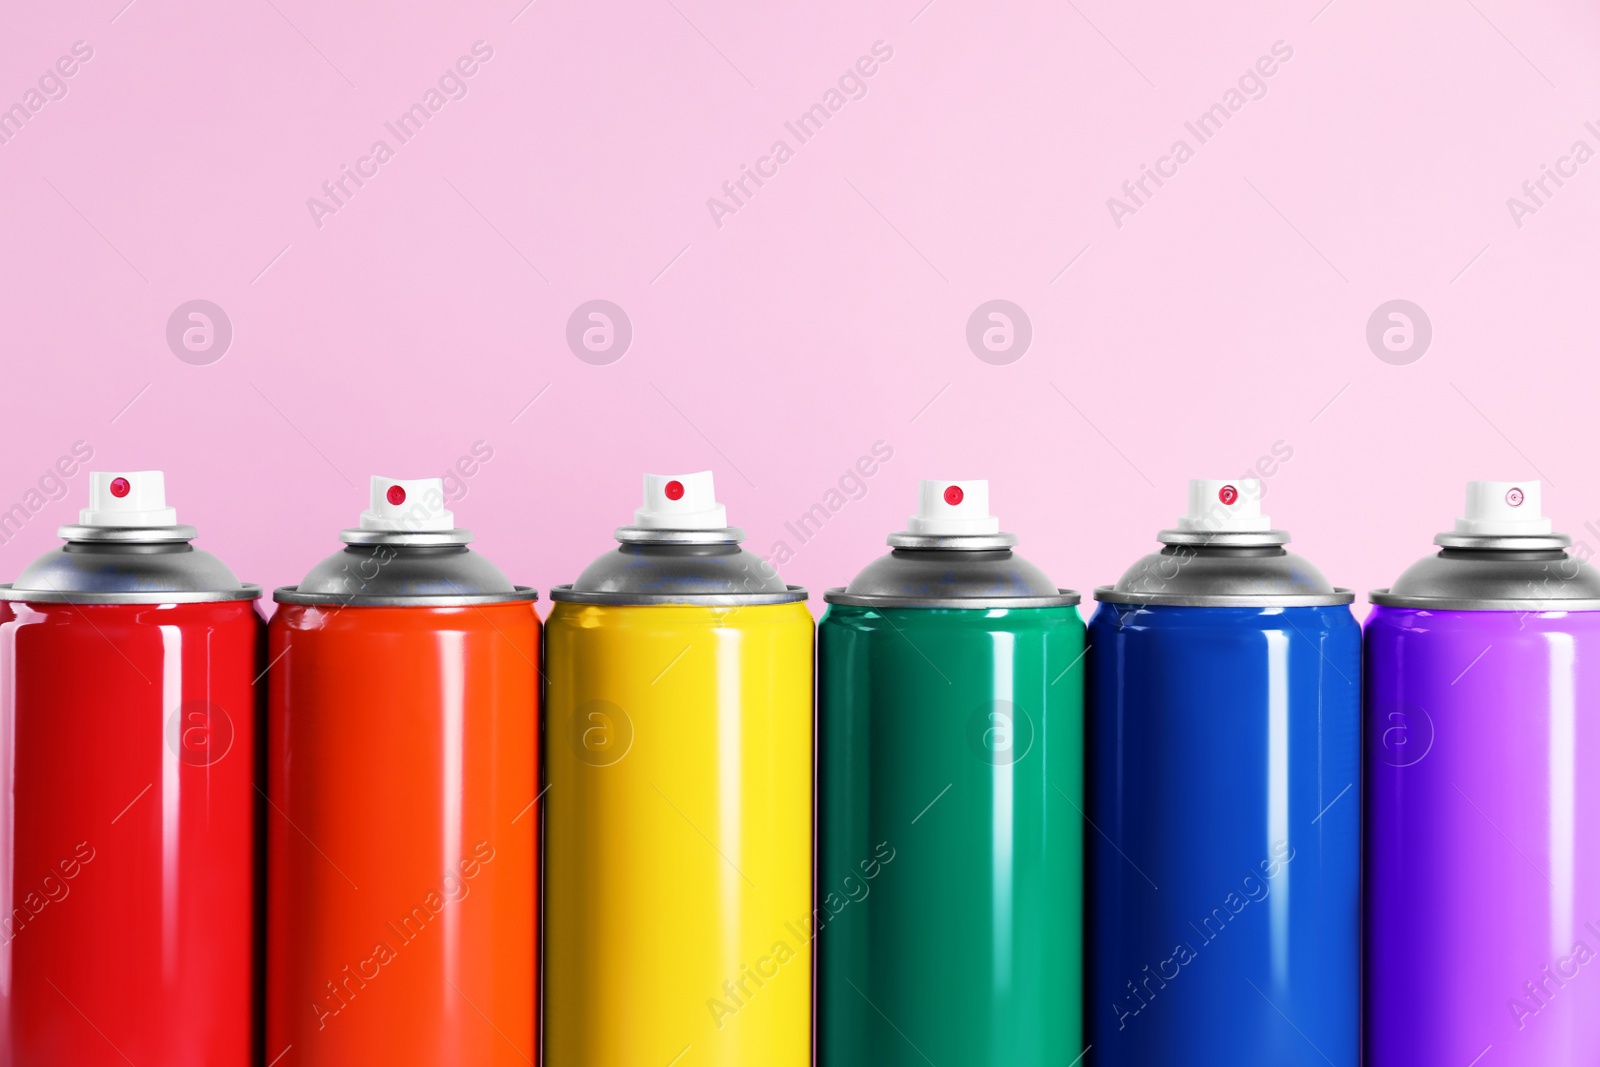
(1217, 506)
(1498, 509)
(953, 508)
(680, 502)
(413, 505)
(128, 498)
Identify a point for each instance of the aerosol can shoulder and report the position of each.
(128, 548)
(1224, 553)
(1502, 555)
(679, 550)
(406, 552)
(952, 554)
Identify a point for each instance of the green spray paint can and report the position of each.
(950, 760)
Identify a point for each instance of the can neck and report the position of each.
(390, 550)
(679, 550)
(955, 556)
(127, 548)
(1502, 555)
(1191, 551)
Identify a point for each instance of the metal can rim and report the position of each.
(1504, 542)
(246, 591)
(423, 538)
(1109, 594)
(1225, 538)
(793, 594)
(953, 542)
(1064, 598)
(1385, 599)
(144, 535)
(290, 594)
(650, 535)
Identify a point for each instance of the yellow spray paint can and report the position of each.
(678, 811)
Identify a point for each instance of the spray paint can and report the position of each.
(1482, 889)
(678, 817)
(950, 857)
(1224, 800)
(128, 820)
(402, 773)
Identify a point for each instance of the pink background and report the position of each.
(1227, 314)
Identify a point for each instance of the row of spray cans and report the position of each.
(404, 824)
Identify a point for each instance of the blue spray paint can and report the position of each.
(1223, 755)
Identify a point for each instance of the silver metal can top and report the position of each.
(127, 565)
(1501, 556)
(653, 565)
(1224, 553)
(1533, 572)
(403, 568)
(1196, 568)
(961, 571)
(407, 552)
(952, 555)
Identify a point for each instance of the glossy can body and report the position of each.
(1483, 852)
(129, 836)
(950, 879)
(403, 837)
(1224, 870)
(679, 817)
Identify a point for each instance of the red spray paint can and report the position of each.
(129, 833)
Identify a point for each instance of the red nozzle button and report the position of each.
(953, 495)
(674, 490)
(396, 495)
(120, 487)
(1228, 494)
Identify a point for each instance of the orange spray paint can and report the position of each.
(402, 777)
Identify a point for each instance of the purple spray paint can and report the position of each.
(1482, 879)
